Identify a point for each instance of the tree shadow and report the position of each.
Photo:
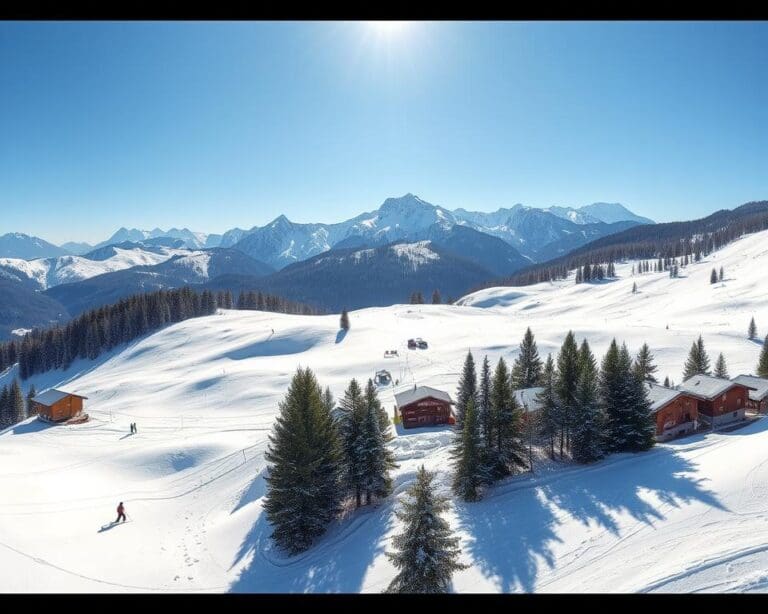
(501, 546)
(337, 562)
(33, 426)
(340, 335)
(514, 532)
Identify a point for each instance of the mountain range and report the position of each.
(375, 258)
(535, 233)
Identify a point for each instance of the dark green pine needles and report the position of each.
(426, 552)
(303, 485)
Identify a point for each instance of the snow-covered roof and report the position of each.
(53, 395)
(706, 386)
(659, 396)
(526, 398)
(759, 384)
(421, 392)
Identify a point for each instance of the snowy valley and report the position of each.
(688, 515)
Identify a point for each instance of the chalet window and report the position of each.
(724, 397)
(738, 402)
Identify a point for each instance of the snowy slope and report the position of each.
(46, 273)
(689, 515)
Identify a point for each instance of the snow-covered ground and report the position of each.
(686, 516)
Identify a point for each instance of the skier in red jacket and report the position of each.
(120, 512)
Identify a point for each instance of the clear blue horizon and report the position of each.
(215, 125)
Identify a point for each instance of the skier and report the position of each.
(120, 512)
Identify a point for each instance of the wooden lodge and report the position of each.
(758, 396)
(58, 406)
(424, 406)
(675, 412)
(721, 401)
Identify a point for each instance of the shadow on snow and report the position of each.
(336, 562)
(512, 533)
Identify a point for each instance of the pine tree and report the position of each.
(426, 552)
(436, 300)
(351, 430)
(644, 366)
(762, 365)
(467, 389)
(721, 370)
(18, 407)
(344, 322)
(587, 439)
(375, 458)
(713, 277)
(752, 332)
(614, 398)
(303, 493)
(565, 386)
(548, 408)
(508, 452)
(698, 360)
(666, 381)
(624, 399)
(722, 275)
(31, 394)
(642, 427)
(5, 409)
(372, 401)
(634, 287)
(469, 472)
(485, 412)
(328, 401)
(526, 370)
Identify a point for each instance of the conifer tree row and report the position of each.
(13, 408)
(320, 456)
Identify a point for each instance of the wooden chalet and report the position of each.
(758, 396)
(675, 412)
(721, 401)
(55, 405)
(424, 406)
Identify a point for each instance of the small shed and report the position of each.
(424, 406)
(56, 405)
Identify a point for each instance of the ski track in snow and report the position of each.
(688, 516)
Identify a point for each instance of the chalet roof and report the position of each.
(53, 395)
(526, 398)
(418, 393)
(659, 396)
(706, 386)
(759, 384)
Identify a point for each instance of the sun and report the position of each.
(388, 28)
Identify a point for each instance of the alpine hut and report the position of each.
(55, 405)
(424, 406)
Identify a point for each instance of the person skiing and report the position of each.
(120, 512)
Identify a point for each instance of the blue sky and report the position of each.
(216, 125)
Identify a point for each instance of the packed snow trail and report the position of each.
(691, 515)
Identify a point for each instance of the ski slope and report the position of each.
(691, 515)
